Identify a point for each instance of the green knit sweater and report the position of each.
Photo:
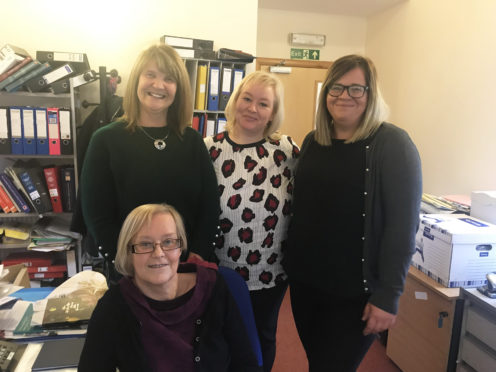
(123, 169)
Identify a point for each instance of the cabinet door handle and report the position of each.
(442, 315)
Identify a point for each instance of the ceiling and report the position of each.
(358, 8)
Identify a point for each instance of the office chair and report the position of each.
(239, 291)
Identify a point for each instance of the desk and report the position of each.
(29, 357)
(426, 334)
(478, 336)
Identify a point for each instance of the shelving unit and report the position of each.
(192, 68)
(69, 101)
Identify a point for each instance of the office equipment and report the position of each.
(226, 84)
(455, 249)
(221, 124)
(201, 87)
(489, 290)
(52, 181)
(28, 259)
(68, 188)
(201, 125)
(14, 193)
(16, 130)
(34, 183)
(10, 55)
(195, 53)
(41, 131)
(28, 131)
(225, 54)
(195, 122)
(53, 131)
(186, 42)
(14, 208)
(39, 70)
(427, 329)
(14, 69)
(213, 88)
(210, 127)
(5, 201)
(238, 75)
(58, 354)
(21, 72)
(477, 351)
(79, 61)
(41, 83)
(5, 146)
(10, 354)
(60, 86)
(66, 146)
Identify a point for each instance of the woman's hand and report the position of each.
(377, 320)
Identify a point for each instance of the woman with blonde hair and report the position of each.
(355, 214)
(164, 315)
(151, 155)
(254, 166)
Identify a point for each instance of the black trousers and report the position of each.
(266, 304)
(330, 328)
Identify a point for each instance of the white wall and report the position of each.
(112, 33)
(344, 35)
(437, 63)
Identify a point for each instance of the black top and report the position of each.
(123, 170)
(329, 186)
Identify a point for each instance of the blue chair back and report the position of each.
(239, 290)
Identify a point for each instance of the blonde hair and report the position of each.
(180, 113)
(134, 222)
(266, 79)
(376, 110)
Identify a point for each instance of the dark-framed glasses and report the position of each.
(167, 245)
(354, 90)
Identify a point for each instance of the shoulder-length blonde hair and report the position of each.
(134, 222)
(266, 79)
(180, 113)
(376, 110)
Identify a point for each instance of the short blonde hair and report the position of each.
(134, 222)
(180, 113)
(266, 79)
(376, 110)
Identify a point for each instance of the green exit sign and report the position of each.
(312, 54)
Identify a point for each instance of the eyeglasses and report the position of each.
(167, 245)
(354, 91)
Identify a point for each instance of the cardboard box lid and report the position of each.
(459, 228)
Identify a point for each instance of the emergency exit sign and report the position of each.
(312, 54)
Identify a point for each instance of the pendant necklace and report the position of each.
(159, 143)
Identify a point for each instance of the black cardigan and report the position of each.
(113, 338)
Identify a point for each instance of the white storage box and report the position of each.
(483, 205)
(456, 250)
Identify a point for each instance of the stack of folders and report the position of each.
(36, 131)
(190, 48)
(27, 187)
(214, 85)
(41, 265)
(208, 125)
(49, 72)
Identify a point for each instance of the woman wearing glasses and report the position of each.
(163, 315)
(355, 215)
(151, 155)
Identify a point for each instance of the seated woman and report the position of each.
(163, 315)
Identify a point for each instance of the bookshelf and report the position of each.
(70, 101)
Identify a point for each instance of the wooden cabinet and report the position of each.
(425, 336)
(478, 336)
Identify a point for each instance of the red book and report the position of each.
(16, 68)
(47, 269)
(6, 198)
(53, 185)
(29, 259)
(57, 274)
(3, 200)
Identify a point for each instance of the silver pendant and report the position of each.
(159, 144)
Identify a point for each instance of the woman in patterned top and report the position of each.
(254, 167)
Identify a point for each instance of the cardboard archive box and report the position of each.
(456, 250)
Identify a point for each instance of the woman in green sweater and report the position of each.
(151, 155)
